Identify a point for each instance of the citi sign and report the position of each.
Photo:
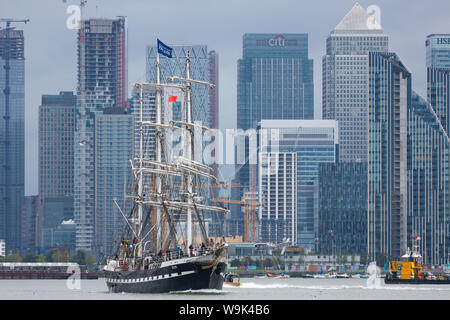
(277, 41)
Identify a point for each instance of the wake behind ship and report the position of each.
(166, 222)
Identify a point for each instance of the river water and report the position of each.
(251, 289)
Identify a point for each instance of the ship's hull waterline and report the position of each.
(170, 276)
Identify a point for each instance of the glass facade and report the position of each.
(102, 83)
(56, 167)
(55, 209)
(278, 197)
(428, 182)
(438, 50)
(389, 99)
(342, 208)
(12, 135)
(114, 141)
(438, 92)
(314, 142)
(148, 114)
(56, 131)
(275, 81)
(30, 224)
(344, 80)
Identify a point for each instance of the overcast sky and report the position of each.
(50, 47)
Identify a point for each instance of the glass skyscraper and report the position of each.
(56, 131)
(102, 83)
(56, 162)
(436, 115)
(275, 81)
(428, 182)
(438, 50)
(344, 79)
(12, 135)
(389, 100)
(313, 142)
(114, 144)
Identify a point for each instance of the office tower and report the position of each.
(278, 194)
(102, 83)
(344, 79)
(342, 208)
(438, 50)
(438, 93)
(12, 132)
(275, 81)
(114, 139)
(314, 142)
(389, 97)
(428, 182)
(30, 216)
(56, 131)
(56, 162)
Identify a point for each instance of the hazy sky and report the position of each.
(50, 47)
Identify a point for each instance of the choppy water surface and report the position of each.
(251, 289)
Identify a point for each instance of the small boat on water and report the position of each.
(284, 276)
(342, 275)
(409, 270)
(232, 279)
(260, 276)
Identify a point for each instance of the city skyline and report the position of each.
(42, 76)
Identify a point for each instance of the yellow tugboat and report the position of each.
(409, 269)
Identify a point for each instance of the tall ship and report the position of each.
(409, 270)
(165, 246)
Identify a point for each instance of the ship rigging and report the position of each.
(158, 259)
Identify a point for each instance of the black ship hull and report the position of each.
(175, 275)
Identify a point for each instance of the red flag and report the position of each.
(172, 98)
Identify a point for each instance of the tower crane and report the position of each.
(249, 205)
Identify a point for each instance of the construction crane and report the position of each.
(249, 205)
(6, 116)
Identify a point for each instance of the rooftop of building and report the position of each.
(64, 98)
(358, 19)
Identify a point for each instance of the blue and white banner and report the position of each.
(164, 50)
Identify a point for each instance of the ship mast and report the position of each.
(189, 152)
(185, 167)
